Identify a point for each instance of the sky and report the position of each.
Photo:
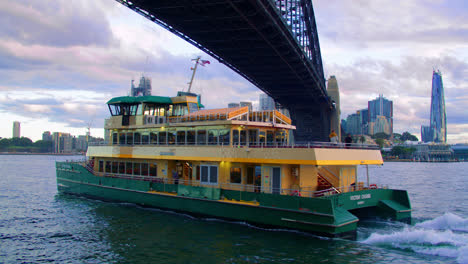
(62, 60)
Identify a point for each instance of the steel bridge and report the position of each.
(271, 43)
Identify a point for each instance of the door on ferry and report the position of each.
(276, 181)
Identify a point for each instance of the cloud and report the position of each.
(57, 23)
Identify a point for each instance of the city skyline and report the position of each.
(60, 64)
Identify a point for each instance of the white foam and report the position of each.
(447, 221)
(434, 237)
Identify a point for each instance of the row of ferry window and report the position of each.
(206, 174)
(201, 137)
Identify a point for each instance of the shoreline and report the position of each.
(48, 154)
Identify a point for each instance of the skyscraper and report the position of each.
(437, 129)
(266, 102)
(380, 107)
(16, 129)
(334, 93)
(144, 87)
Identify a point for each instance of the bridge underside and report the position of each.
(252, 38)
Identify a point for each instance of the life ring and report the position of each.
(296, 193)
(373, 186)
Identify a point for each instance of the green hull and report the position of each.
(328, 216)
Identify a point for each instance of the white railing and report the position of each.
(261, 145)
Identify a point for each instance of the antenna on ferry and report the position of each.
(194, 69)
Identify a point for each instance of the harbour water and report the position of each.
(39, 225)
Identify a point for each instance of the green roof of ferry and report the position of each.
(143, 99)
(140, 99)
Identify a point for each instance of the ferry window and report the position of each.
(136, 168)
(214, 174)
(144, 169)
(201, 137)
(121, 167)
(180, 137)
(280, 137)
(253, 135)
(129, 138)
(153, 138)
(236, 175)
(101, 166)
(162, 138)
(213, 137)
(193, 107)
(153, 169)
(204, 174)
(129, 168)
(197, 173)
(243, 137)
(108, 166)
(115, 138)
(270, 138)
(122, 139)
(133, 109)
(115, 167)
(137, 138)
(250, 175)
(191, 137)
(169, 111)
(235, 137)
(145, 138)
(261, 137)
(209, 174)
(171, 137)
(224, 136)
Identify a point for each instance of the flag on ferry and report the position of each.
(203, 62)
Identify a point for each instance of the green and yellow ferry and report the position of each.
(230, 163)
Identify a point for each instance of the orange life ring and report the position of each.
(373, 186)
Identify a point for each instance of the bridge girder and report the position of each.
(271, 43)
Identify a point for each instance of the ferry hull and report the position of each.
(327, 216)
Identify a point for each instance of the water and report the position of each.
(39, 225)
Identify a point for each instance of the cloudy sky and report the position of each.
(61, 60)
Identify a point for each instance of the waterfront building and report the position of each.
(334, 93)
(143, 89)
(437, 129)
(233, 105)
(433, 152)
(16, 129)
(63, 142)
(46, 136)
(266, 103)
(460, 152)
(380, 107)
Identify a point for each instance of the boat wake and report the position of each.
(445, 236)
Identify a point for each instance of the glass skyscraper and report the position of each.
(437, 129)
(379, 109)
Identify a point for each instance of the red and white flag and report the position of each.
(203, 62)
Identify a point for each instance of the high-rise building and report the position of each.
(143, 89)
(46, 136)
(353, 124)
(249, 104)
(266, 103)
(233, 105)
(334, 93)
(16, 129)
(437, 129)
(380, 107)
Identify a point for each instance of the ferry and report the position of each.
(229, 163)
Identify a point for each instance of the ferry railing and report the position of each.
(247, 145)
